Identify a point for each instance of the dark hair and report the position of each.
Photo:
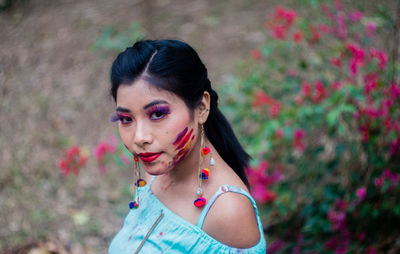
(176, 67)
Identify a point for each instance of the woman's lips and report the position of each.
(148, 157)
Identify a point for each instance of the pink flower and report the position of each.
(341, 22)
(378, 182)
(261, 99)
(279, 32)
(394, 90)
(72, 161)
(357, 57)
(274, 109)
(256, 54)
(285, 14)
(324, 28)
(298, 136)
(275, 247)
(262, 194)
(355, 16)
(305, 89)
(320, 92)
(336, 85)
(361, 193)
(383, 59)
(336, 62)
(279, 133)
(370, 28)
(297, 36)
(292, 72)
(338, 5)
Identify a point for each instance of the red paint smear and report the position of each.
(185, 140)
(182, 157)
(180, 136)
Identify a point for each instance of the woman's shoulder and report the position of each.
(232, 221)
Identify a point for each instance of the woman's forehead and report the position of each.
(142, 92)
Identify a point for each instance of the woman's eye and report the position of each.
(157, 115)
(125, 119)
(158, 112)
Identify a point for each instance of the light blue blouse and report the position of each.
(166, 232)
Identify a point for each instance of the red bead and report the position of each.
(199, 202)
(205, 151)
(135, 159)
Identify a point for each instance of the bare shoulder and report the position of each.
(232, 221)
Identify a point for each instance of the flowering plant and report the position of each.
(320, 116)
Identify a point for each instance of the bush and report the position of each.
(318, 109)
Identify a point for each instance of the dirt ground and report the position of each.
(54, 93)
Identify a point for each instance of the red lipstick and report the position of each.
(149, 157)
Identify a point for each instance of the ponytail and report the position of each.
(221, 135)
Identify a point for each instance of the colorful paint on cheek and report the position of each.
(183, 152)
(180, 136)
(184, 140)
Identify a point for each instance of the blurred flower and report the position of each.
(275, 247)
(338, 5)
(315, 36)
(370, 250)
(357, 57)
(298, 136)
(102, 149)
(355, 16)
(256, 54)
(361, 193)
(279, 32)
(74, 159)
(324, 28)
(279, 133)
(320, 92)
(336, 62)
(370, 28)
(274, 109)
(297, 36)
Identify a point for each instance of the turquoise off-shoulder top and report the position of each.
(153, 228)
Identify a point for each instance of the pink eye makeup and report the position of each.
(158, 112)
(123, 117)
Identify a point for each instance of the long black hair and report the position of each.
(176, 67)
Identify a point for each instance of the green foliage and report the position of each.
(318, 105)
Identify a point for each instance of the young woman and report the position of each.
(194, 196)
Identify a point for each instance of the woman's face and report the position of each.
(155, 125)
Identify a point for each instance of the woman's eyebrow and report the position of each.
(121, 109)
(155, 103)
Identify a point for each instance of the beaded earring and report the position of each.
(203, 173)
(138, 182)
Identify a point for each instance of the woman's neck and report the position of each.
(186, 172)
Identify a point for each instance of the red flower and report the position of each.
(297, 36)
(72, 161)
(320, 92)
(279, 32)
(256, 54)
(298, 136)
(336, 62)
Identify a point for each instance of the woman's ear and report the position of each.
(204, 108)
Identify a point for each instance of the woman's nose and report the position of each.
(142, 135)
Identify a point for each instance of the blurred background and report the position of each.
(311, 88)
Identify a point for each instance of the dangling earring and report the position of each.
(203, 173)
(138, 182)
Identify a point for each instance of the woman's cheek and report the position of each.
(182, 144)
